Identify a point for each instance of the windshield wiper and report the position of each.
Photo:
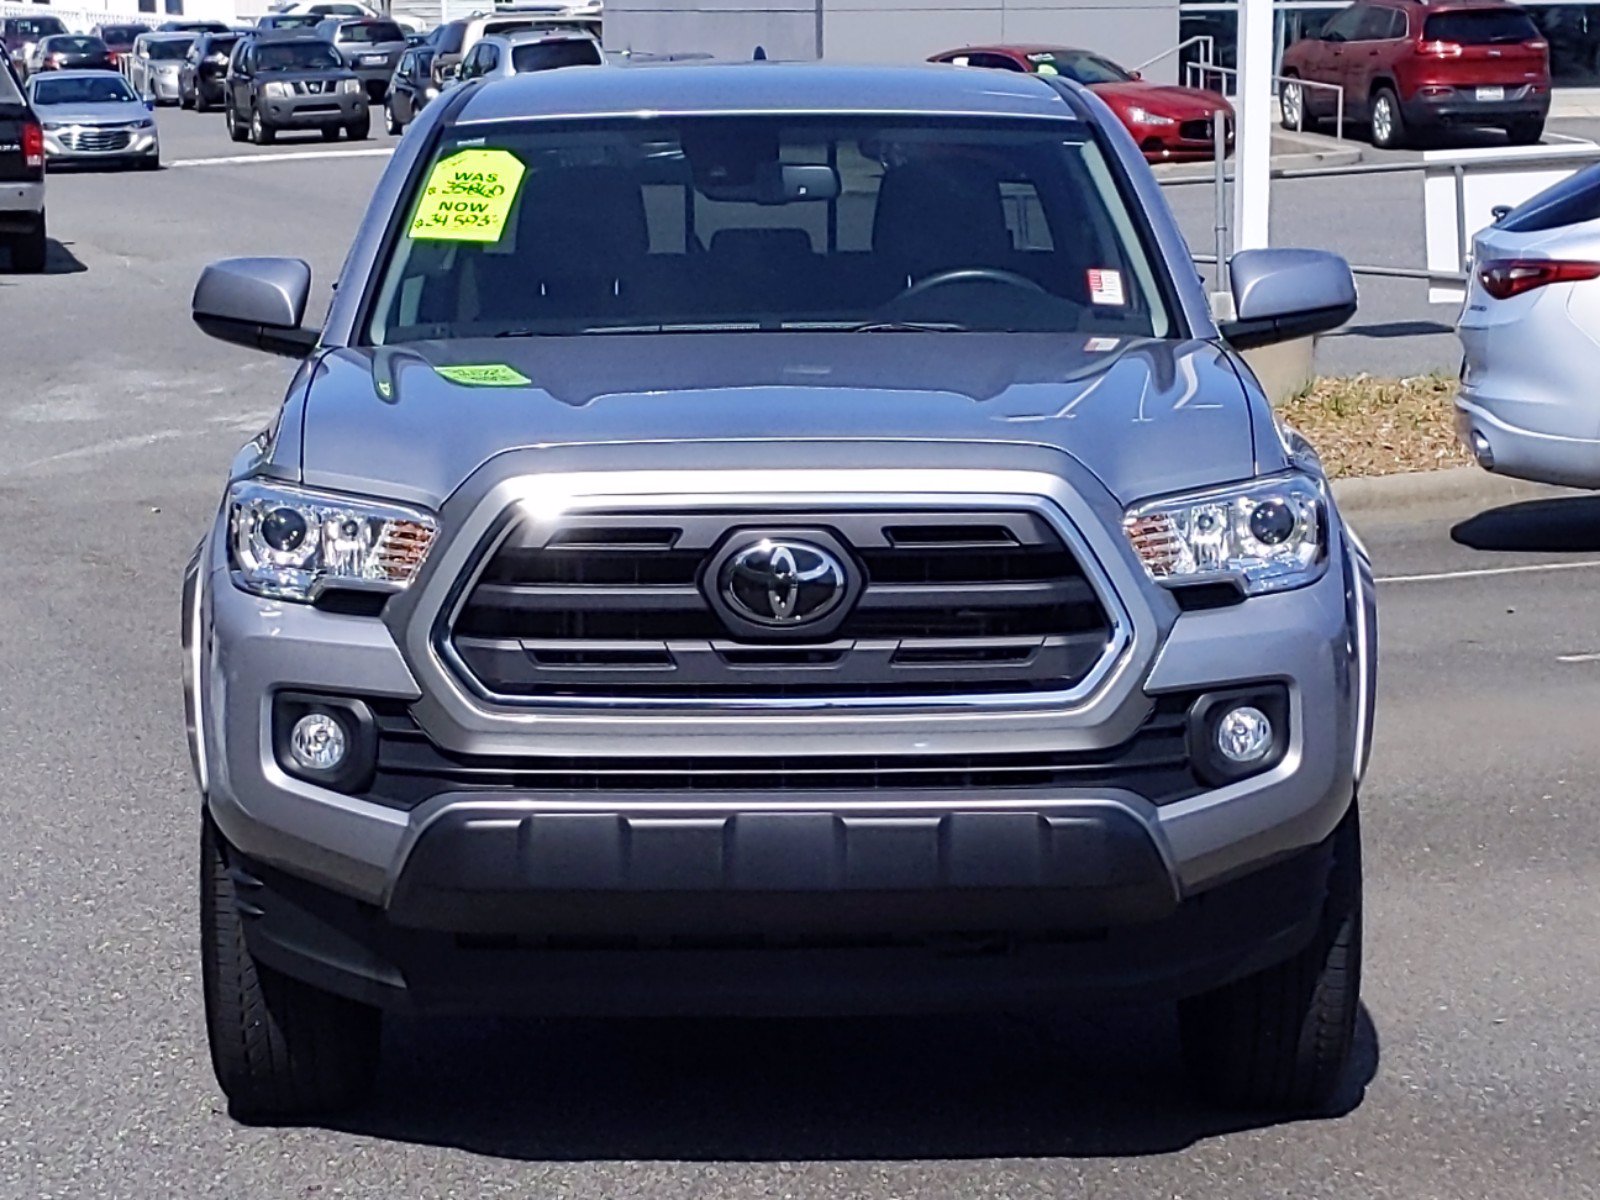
(907, 327)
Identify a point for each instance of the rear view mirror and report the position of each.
(1280, 295)
(777, 183)
(256, 302)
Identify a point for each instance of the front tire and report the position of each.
(359, 130)
(236, 132)
(281, 1049)
(1388, 124)
(201, 104)
(1292, 105)
(261, 133)
(1281, 1039)
(391, 126)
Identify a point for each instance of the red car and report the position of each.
(1171, 124)
(1406, 67)
(118, 37)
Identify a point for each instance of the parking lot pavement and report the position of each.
(1373, 220)
(1481, 1052)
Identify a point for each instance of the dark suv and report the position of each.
(202, 80)
(292, 81)
(1406, 67)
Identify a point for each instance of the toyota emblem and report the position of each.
(778, 582)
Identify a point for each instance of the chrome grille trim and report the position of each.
(497, 515)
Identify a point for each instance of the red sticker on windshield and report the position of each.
(1105, 287)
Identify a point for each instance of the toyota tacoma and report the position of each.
(776, 539)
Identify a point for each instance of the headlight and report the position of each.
(430, 93)
(275, 91)
(349, 86)
(50, 126)
(293, 544)
(1266, 536)
(146, 123)
(1143, 116)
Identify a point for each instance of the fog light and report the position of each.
(1482, 451)
(318, 742)
(1244, 735)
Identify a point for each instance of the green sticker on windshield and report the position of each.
(468, 197)
(1045, 68)
(485, 375)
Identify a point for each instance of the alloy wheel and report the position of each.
(1382, 121)
(1293, 104)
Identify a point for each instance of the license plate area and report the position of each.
(1491, 93)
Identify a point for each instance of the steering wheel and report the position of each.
(958, 275)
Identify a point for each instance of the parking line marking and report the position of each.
(285, 156)
(1578, 658)
(1483, 572)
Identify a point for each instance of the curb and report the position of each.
(1392, 494)
(1321, 153)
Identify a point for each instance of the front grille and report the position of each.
(314, 87)
(1154, 763)
(96, 141)
(1202, 131)
(615, 605)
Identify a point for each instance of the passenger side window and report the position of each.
(489, 60)
(1397, 24)
(1373, 26)
(1343, 27)
(995, 61)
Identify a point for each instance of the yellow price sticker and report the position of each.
(468, 197)
(484, 375)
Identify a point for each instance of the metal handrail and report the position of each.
(1199, 39)
(1198, 70)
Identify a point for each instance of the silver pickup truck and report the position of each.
(776, 539)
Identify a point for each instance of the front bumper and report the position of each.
(59, 148)
(314, 112)
(825, 869)
(164, 87)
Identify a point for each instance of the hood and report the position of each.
(412, 422)
(295, 74)
(119, 112)
(1167, 100)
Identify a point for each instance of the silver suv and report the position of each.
(767, 539)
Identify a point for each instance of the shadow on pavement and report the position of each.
(742, 1091)
(1557, 526)
(1393, 329)
(59, 260)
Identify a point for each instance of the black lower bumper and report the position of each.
(1470, 112)
(315, 114)
(1102, 925)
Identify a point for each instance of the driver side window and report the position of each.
(1343, 27)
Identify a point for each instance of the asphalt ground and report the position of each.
(1479, 1063)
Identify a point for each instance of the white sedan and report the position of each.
(1529, 402)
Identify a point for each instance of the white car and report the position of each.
(499, 56)
(321, 8)
(1530, 331)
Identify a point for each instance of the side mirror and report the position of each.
(1280, 295)
(150, 106)
(256, 302)
(1135, 75)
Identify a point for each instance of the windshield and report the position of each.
(1480, 27)
(1078, 66)
(102, 89)
(166, 51)
(292, 21)
(123, 35)
(771, 223)
(544, 56)
(35, 27)
(372, 31)
(75, 45)
(296, 56)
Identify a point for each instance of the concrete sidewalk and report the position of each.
(1289, 150)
